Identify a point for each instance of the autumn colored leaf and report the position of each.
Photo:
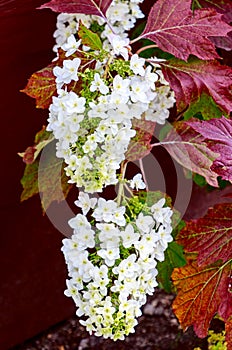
(42, 86)
(225, 8)
(42, 138)
(206, 106)
(89, 38)
(188, 148)
(87, 7)
(210, 236)
(201, 293)
(140, 144)
(174, 27)
(221, 6)
(29, 181)
(219, 135)
(174, 257)
(190, 79)
(46, 177)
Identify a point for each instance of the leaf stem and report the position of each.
(146, 48)
(143, 173)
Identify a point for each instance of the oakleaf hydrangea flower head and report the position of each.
(112, 264)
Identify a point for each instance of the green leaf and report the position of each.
(89, 38)
(174, 257)
(206, 106)
(47, 177)
(53, 182)
(29, 181)
(152, 197)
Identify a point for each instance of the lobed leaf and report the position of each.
(47, 178)
(188, 148)
(87, 7)
(201, 293)
(177, 30)
(210, 236)
(89, 38)
(42, 86)
(190, 79)
(225, 8)
(219, 135)
(221, 6)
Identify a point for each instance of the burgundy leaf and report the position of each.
(221, 6)
(188, 148)
(87, 7)
(190, 79)
(225, 8)
(218, 132)
(176, 29)
(223, 42)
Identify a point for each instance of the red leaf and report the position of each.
(140, 145)
(87, 7)
(223, 43)
(221, 6)
(210, 236)
(188, 148)
(42, 86)
(201, 292)
(176, 29)
(224, 7)
(220, 132)
(190, 79)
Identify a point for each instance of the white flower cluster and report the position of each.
(121, 15)
(112, 262)
(93, 136)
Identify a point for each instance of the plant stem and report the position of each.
(121, 184)
(145, 48)
(143, 173)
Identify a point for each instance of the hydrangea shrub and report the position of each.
(119, 74)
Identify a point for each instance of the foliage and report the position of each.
(108, 98)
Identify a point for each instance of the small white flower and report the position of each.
(129, 236)
(85, 202)
(144, 223)
(137, 182)
(137, 64)
(120, 46)
(71, 45)
(98, 84)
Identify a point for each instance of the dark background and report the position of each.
(33, 271)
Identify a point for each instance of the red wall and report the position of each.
(33, 271)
